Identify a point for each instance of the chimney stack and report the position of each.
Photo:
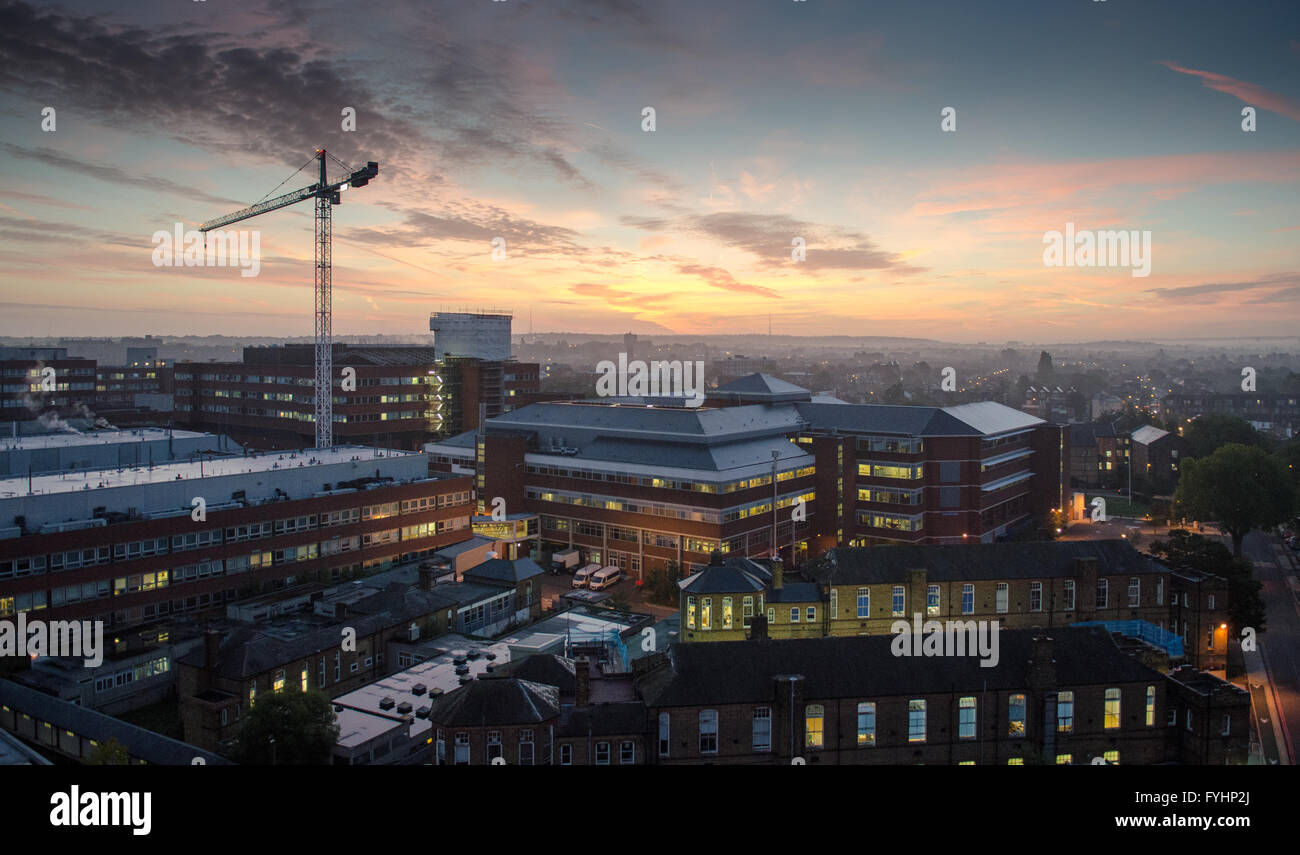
(778, 575)
(426, 582)
(758, 628)
(582, 689)
(211, 648)
(1042, 667)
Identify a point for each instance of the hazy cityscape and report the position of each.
(649, 385)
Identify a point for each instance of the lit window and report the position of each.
(1065, 712)
(1111, 757)
(1151, 705)
(866, 723)
(814, 723)
(726, 612)
(1112, 709)
(1064, 759)
(1016, 715)
(932, 600)
(690, 613)
(706, 613)
(1015, 761)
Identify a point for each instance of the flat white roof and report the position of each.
(98, 437)
(164, 473)
(361, 718)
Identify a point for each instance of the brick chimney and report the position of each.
(427, 580)
(211, 648)
(1042, 667)
(778, 575)
(582, 688)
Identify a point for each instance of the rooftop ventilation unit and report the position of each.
(422, 712)
(462, 669)
(387, 704)
(404, 707)
(419, 689)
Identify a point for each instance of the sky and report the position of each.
(775, 121)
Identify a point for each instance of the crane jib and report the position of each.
(327, 195)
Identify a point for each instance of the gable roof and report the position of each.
(735, 672)
(496, 701)
(978, 562)
(504, 571)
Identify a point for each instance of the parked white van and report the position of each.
(583, 577)
(605, 578)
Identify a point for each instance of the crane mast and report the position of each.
(327, 195)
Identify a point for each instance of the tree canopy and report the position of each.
(301, 723)
(1241, 487)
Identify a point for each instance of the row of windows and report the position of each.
(917, 724)
(933, 604)
(667, 483)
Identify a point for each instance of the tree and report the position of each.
(1193, 552)
(291, 728)
(1045, 373)
(1208, 433)
(1288, 457)
(661, 585)
(110, 753)
(1240, 486)
(894, 394)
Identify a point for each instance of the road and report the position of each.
(1280, 642)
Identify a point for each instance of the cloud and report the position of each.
(113, 175)
(769, 237)
(1247, 93)
(719, 278)
(1286, 286)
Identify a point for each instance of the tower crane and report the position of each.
(327, 194)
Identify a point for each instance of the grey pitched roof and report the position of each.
(980, 419)
(720, 579)
(795, 592)
(1086, 434)
(62, 715)
(734, 672)
(1148, 434)
(976, 562)
(503, 570)
(547, 669)
(496, 701)
(619, 719)
(760, 388)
